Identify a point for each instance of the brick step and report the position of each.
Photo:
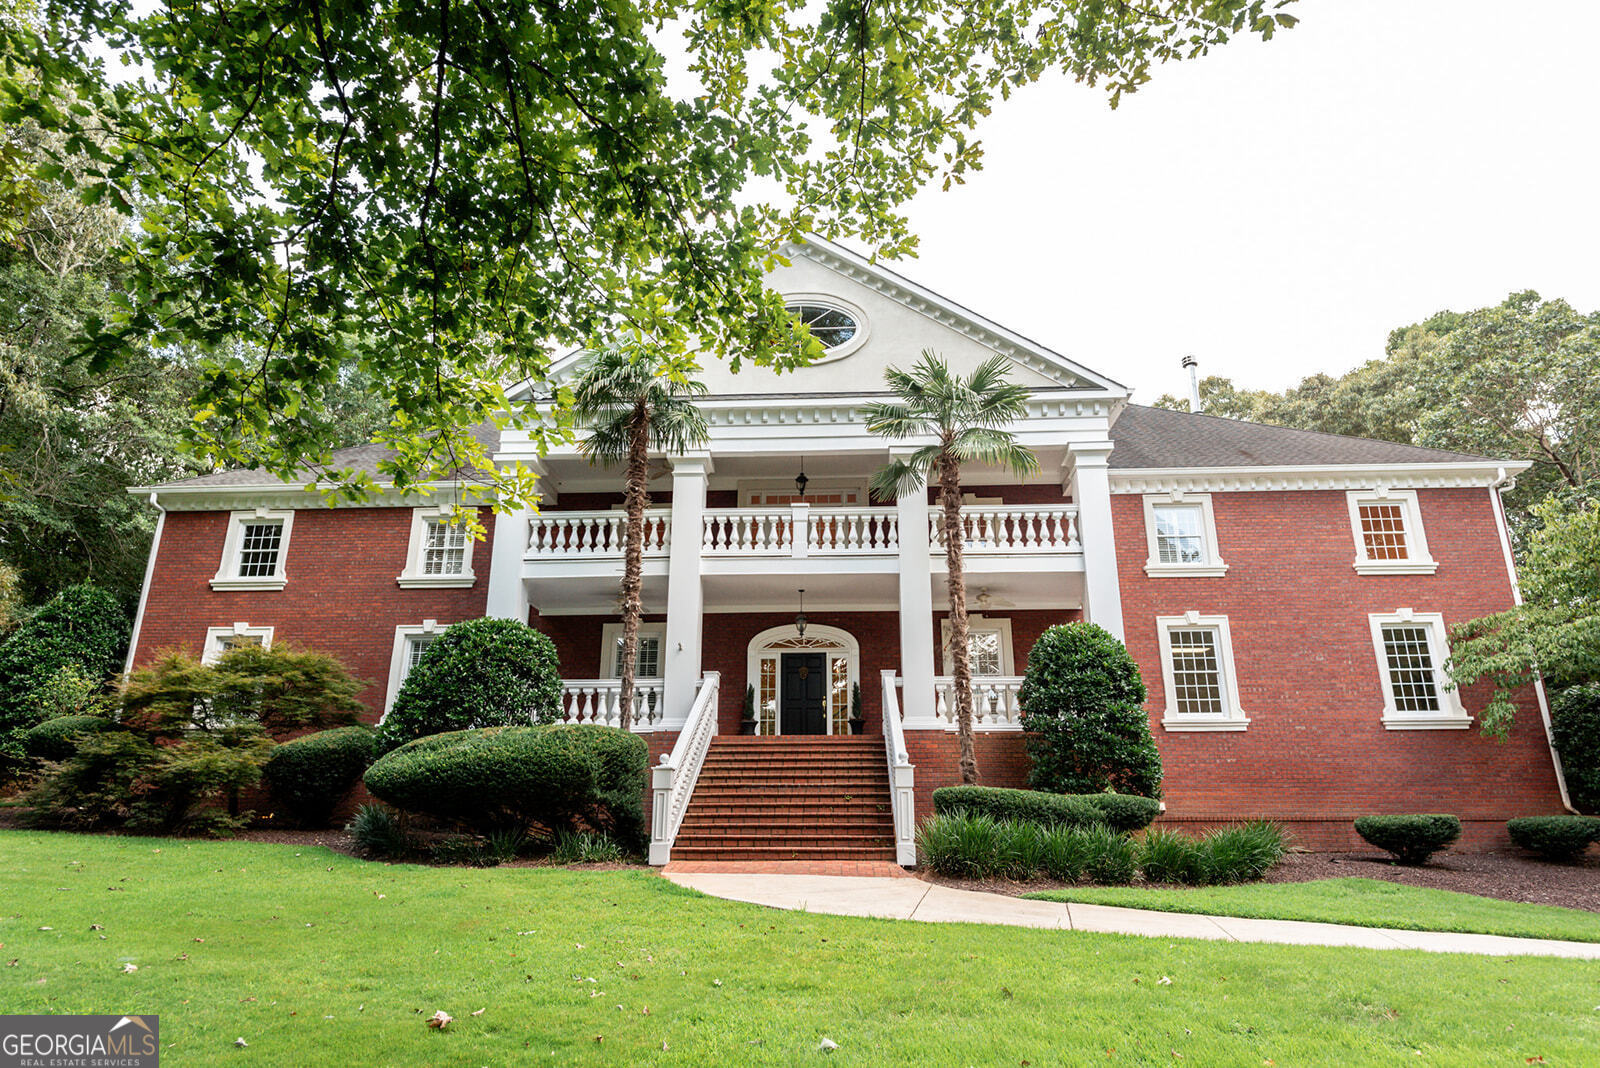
(800, 758)
(711, 794)
(815, 814)
(788, 823)
(785, 776)
(843, 741)
(769, 836)
(796, 852)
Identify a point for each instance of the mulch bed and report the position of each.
(1508, 876)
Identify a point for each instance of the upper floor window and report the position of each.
(839, 327)
(221, 639)
(1387, 525)
(1411, 652)
(440, 553)
(254, 550)
(1182, 535)
(1197, 668)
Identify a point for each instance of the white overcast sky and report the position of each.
(1276, 209)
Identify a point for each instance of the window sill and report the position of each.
(1396, 567)
(1185, 570)
(249, 583)
(1195, 725)
(435, 582)
(1426, 723)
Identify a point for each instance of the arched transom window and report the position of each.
(834, 651)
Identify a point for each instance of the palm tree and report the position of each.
(635, 399)
(967, 420)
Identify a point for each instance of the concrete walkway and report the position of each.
(913, 899)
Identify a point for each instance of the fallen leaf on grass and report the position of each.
(827, 1045)
(479, 1012)
(126, 968)
(240, 1042)
(440, 1020)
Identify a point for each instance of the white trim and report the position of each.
(1212, 566)
(215, 498)
(1417, 561)
(838, 304)
(845, 645)
(746, 487)
(214, 635)
(413, 575)
(1234, 718)
(611, 634)
(1312, 477)
(227, 576)
(397, 657)
(144, 590)
(979, 621)
(1452, 715)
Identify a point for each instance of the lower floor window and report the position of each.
(1411, 652)
(1202, 690)
(221, 639)
(1197, 672)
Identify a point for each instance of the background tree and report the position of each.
(633, 400)
(966, 418)
(436, 196)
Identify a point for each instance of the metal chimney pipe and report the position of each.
(1194, 383)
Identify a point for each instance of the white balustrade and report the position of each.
(600, 701)
(748, 532)
(902, 775)
(1011, 528)
(854, 530)
(672, 781)
(584, 535)
(994, 701)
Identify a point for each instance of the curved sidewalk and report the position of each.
(913, 899)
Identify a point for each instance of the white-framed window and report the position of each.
(254, 551)
(410, 642)
(220, 639)
(440, 553)
(649, 663)
(1411, 652)
(1197, 669)
(1387, 525)
(989, 648)
(1181, 531)
(840, 326)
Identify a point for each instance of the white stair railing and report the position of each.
(600, 701)
(994, 701)
(902, 775)
(672, 781)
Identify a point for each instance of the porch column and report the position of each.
(916, 610)
(507, 594)
(685, 602)
(1088, 481)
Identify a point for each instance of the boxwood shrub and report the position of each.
(1411, 838)
(1122, 812)
(481, 673)
(307, 777)
(58, 739)
(558, 776)
(1028, 806)
(1082, 706)
(1555, 837)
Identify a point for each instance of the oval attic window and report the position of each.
(830, 326)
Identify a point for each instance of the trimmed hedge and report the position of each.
(556, 775)
(1411, 838)
(1026, 806)
(81, 626)
(1082, 706)
(58, 739)
(307, 777)
(1123, 812)
(1575, 730)
(1555, 837)
(480, 673)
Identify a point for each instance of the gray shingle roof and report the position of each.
(1159, 438)
(364, 458)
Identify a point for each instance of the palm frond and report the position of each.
(995, 448)
(904, 476)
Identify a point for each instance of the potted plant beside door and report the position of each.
(858, 718)
(747, 720)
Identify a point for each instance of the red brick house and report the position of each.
(1286, 594)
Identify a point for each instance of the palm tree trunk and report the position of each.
(956, 581)
(637, 495)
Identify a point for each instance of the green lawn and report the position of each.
(315, 958)
(1365, 902)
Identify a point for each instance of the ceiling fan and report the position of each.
(985, 600)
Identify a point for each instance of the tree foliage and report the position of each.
(436, 196)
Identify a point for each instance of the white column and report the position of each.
(1089, 482)
(685, 601)
(916, 610)
(508, 594)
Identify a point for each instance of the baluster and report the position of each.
(1073, 545)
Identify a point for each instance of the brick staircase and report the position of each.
(789, 798)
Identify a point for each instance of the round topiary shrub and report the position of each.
(499, 778)
(57, 739)
(1575, 729)
(1081, 706)
(1412, 839)
(81, 627)
(1555, 837)
(481, 673)
(307, 777)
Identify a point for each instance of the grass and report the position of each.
(1363, 902)
(315, 958)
